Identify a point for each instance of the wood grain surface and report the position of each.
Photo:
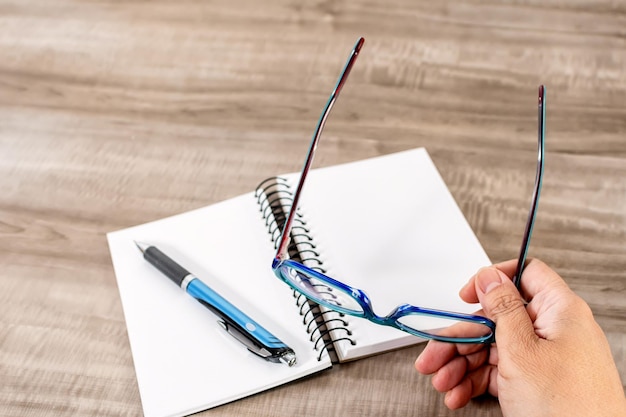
(115, 113)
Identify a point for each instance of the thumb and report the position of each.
(503, 304)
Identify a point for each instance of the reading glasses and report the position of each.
(337, 296)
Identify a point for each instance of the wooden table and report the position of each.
(117, 113)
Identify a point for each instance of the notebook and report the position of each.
(387, 225)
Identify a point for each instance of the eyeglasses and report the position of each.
(337, 296)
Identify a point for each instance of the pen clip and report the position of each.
(245, 340)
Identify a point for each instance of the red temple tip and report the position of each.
(359, 44)
(542, 94)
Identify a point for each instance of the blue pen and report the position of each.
(258, 340)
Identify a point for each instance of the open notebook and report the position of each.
(387, 225)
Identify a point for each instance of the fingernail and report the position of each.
(488, 279)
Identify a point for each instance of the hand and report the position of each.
(550, 357)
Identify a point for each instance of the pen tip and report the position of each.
(142, 246)
(289, 358)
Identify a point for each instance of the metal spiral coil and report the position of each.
(271, 195)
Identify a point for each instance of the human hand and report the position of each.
(550, 357)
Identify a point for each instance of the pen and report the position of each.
(258, 340)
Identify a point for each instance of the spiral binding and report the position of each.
(271, 194)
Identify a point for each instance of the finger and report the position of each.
(468, 292)
(474, 384)
(508, 267)
(452, 373)
(434, 356)
(493, 354)
(480, 358)
(437, 354)
(538, 277)
(503, 304)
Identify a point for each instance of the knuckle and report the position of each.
(580, 308)
(506, 304)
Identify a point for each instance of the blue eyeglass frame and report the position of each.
(282, 263)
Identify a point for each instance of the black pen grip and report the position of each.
(166, 265)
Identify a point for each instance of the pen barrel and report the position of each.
(165, 264)
(228, 312)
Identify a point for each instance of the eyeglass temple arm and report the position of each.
(281, 253)
(538, 179)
